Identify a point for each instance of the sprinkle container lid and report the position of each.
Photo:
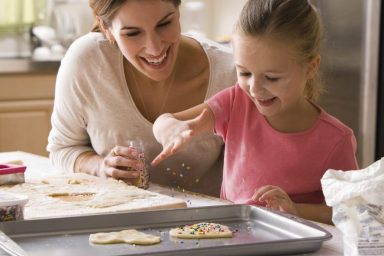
(11, 169)
(8, 199)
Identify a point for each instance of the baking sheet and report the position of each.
(257, 231)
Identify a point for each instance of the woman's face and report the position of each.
(271, 74)
(148, 34)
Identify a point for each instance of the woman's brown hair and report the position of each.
(106, 9)
(292, 22)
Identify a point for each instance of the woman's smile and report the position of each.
(157, 62)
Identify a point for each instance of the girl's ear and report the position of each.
(313, 67)
(106, 31)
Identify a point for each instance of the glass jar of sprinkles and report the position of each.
(12, 206)
(143, 180)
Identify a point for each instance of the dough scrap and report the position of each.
(201, 230)
(74, 181)
(129, 236)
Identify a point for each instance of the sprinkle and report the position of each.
(188, 168)
(181, 175)
(168, 169)
(183, 164)
(173, 173)
(197, 180)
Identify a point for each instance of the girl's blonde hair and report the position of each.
(106, 10)
(292, 22)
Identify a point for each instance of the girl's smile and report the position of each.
(273, 76)
(266, 102)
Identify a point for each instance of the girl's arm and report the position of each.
(315, 212)
(277, 199)
(172, 131)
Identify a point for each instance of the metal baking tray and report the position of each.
(257, 231)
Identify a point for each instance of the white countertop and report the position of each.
(39, 167)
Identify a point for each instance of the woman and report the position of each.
(114, 82)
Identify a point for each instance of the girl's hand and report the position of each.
(275, 198)
(173, 134)
(121, 163)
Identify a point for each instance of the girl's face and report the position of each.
(148, 34)
(270, 73)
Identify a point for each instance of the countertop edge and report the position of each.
(26, 65)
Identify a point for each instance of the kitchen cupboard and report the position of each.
(26, 102)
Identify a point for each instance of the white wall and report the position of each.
(225, 15)
(214, 19)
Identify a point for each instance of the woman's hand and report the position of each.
(173, 134)
(275, 198)
(121, 163)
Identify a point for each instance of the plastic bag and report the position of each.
(357, 200)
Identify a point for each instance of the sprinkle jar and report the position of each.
(12, 206)
(143, 180)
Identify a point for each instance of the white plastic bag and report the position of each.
(357, 199)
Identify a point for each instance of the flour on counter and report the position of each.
(57, 196)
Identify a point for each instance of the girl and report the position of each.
(278, 142)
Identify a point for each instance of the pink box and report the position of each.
(12, 174)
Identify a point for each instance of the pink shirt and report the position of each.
(257, 155)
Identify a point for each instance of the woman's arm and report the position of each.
(115, 164)
(174, 130)
(89, 162)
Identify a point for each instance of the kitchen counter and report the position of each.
(39, 167)
(26, 65)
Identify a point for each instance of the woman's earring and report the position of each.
(110, 38)
(105, 30)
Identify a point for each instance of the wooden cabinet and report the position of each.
(26, 102)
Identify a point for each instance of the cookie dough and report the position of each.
(129, 236)
(56, 197)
